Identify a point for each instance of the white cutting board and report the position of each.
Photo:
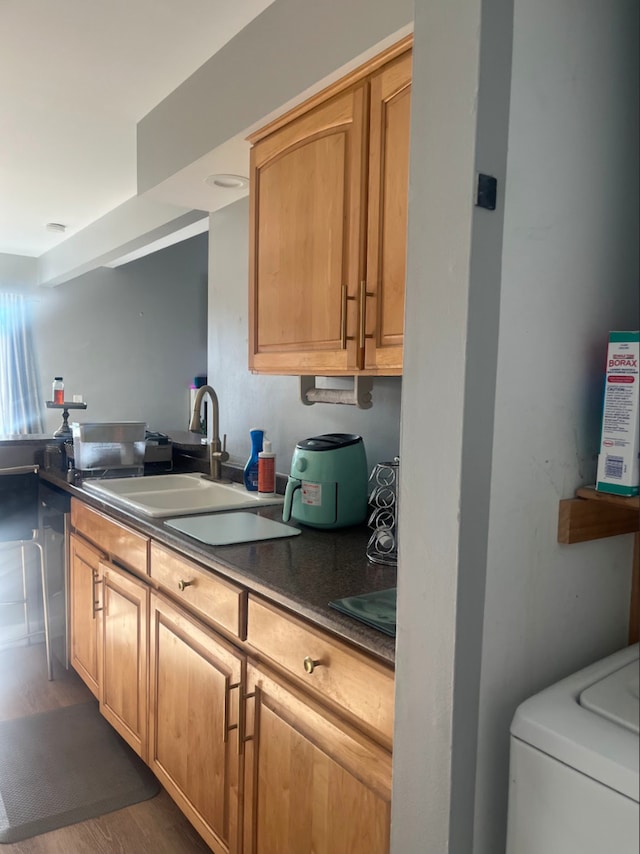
(223, 529)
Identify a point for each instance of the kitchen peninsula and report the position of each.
(226, 670)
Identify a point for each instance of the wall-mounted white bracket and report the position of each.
(359, 395)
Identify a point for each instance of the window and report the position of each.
(20, 400)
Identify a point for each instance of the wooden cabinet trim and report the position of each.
(326, 118)
(351, 79)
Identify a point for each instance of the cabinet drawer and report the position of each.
(119, 542)
(355, 682)
(202, 592)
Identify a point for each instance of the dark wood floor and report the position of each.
(155, 825)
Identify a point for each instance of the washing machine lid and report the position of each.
(597, 737)
(617, 698)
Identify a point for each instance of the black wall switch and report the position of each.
(487, 192)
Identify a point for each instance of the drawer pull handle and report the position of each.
(182, 585)
(310, 664)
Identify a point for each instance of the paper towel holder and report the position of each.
(359, 395)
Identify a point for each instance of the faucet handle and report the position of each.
(224, 442)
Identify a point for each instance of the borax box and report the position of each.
(619, 444)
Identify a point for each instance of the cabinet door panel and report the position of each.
(194, 710)
(303, 206)
(388, 207)
(307, 215)
(83, 572)
(124, 656)
(313, 784)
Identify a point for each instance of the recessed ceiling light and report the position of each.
(56, 226)
(228, 182)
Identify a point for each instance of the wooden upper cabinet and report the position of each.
(307, 200)
(387, 225)
(328, 228)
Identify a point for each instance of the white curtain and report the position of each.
(20, 399)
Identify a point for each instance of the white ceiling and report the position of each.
(77, 76)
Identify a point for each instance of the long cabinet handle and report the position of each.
(343, 317)
(243, 717)
(227, 703)
(95, 601)
(364, 293)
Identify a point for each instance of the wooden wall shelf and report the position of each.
(592, 515)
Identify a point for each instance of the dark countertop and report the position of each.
(303, 573)
(21, 439)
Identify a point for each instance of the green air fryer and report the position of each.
(327, 487)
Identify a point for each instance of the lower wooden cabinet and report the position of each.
(84, 572)
(194, 747)
(109, 639)
(261, 756)
(123, 655)
(314, 785)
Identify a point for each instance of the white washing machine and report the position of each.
(574, 764)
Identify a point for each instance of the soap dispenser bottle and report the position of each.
(267, 470)
(251, 467)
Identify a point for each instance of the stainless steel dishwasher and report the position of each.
(53, 522)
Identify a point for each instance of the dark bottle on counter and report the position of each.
(54, 457)
(57, 390)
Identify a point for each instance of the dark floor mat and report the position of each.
(65, 766)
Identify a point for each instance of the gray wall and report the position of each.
(130, 340)
(17, 272)
(569, 273)
(247, 400)
(291, 46)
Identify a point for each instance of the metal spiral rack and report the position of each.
(383, 519)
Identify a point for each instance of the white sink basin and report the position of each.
(177, 494)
